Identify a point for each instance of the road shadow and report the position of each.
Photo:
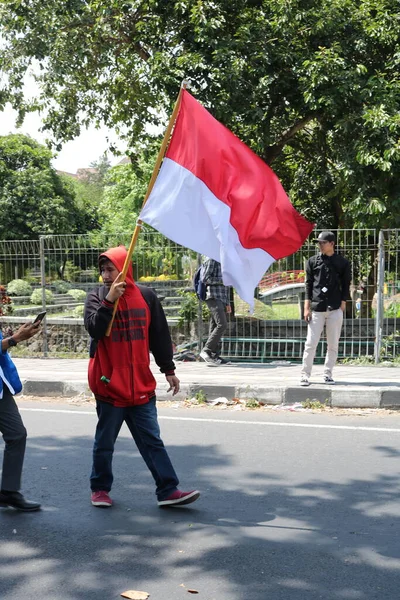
(251, 537)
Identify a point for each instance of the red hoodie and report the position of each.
(123, 359)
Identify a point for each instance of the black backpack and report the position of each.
(199, 286)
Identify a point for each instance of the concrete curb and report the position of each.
(33, 387)
(334, 396)
(338, 396)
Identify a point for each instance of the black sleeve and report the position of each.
(159, 336)
(346, 280)
(98, 314)
(309, 280)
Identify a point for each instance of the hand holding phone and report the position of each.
(40, 317)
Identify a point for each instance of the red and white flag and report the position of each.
(215, 196)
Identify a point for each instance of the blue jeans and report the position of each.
(143, 425)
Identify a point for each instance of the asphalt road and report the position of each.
(294, 506)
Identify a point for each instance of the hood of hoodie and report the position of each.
(117, 256)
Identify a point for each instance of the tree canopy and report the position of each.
(312, 86)
(124, 191)
(34, 200)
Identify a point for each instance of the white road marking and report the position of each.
(227, 421)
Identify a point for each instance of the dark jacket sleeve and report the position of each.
(98, 314)
(346, 280)
(309, 280)
(159, 336)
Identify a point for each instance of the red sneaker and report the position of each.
(101, 498)
(179, 498)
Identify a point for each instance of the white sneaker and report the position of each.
(211, 362)
(304, 381)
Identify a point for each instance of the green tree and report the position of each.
(34, 200)
(89, 190)
(124, 191)
(312, 86)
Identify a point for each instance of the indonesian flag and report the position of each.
(215, 196)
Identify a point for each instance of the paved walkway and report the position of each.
(273, 383)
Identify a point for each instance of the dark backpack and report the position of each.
(199, 286)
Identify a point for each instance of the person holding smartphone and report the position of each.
(11, 425)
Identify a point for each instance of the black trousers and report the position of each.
(218, 324)
(14, 436)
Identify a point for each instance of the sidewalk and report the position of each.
(361, 387)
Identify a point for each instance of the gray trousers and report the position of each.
(14, 436)
(218, 324)
(333, 321)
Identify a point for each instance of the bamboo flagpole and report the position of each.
(152, 181)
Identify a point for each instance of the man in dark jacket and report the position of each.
(11, 425)
(328, 277)
(121, 379)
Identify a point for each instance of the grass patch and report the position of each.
(200, 397)
(252, 403)
(314, 404)
(278, 312)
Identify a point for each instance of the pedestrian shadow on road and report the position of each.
(253, 534)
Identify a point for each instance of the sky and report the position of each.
(76, 154)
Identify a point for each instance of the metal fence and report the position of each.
(275, 331)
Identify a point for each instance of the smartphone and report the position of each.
(40, 317)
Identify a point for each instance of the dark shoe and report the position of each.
(223, 361)
(179, 498)
(17, 501)
(209, 359)
(328, 380)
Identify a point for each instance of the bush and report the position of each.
(71, 271)
(393, 311)
(78, 311)
(166, 278)
(36, 297)
(19, 287)
(189, 308)
(79, 295)
(61, 287)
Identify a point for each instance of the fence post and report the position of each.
(199, 316)
(43, 284)
(379, 298)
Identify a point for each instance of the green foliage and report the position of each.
(252, 403)
(34, 200)
(36, 297)
(390, 345)
(313, 87)
(71, 271)
(89, 191)
(188, 311)
(79, 295)
(392, 311)
(124, 191)
(361, 361)
(78, 311)
(61, 287)
(19, 287)
(314, 404)
(200, 397)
